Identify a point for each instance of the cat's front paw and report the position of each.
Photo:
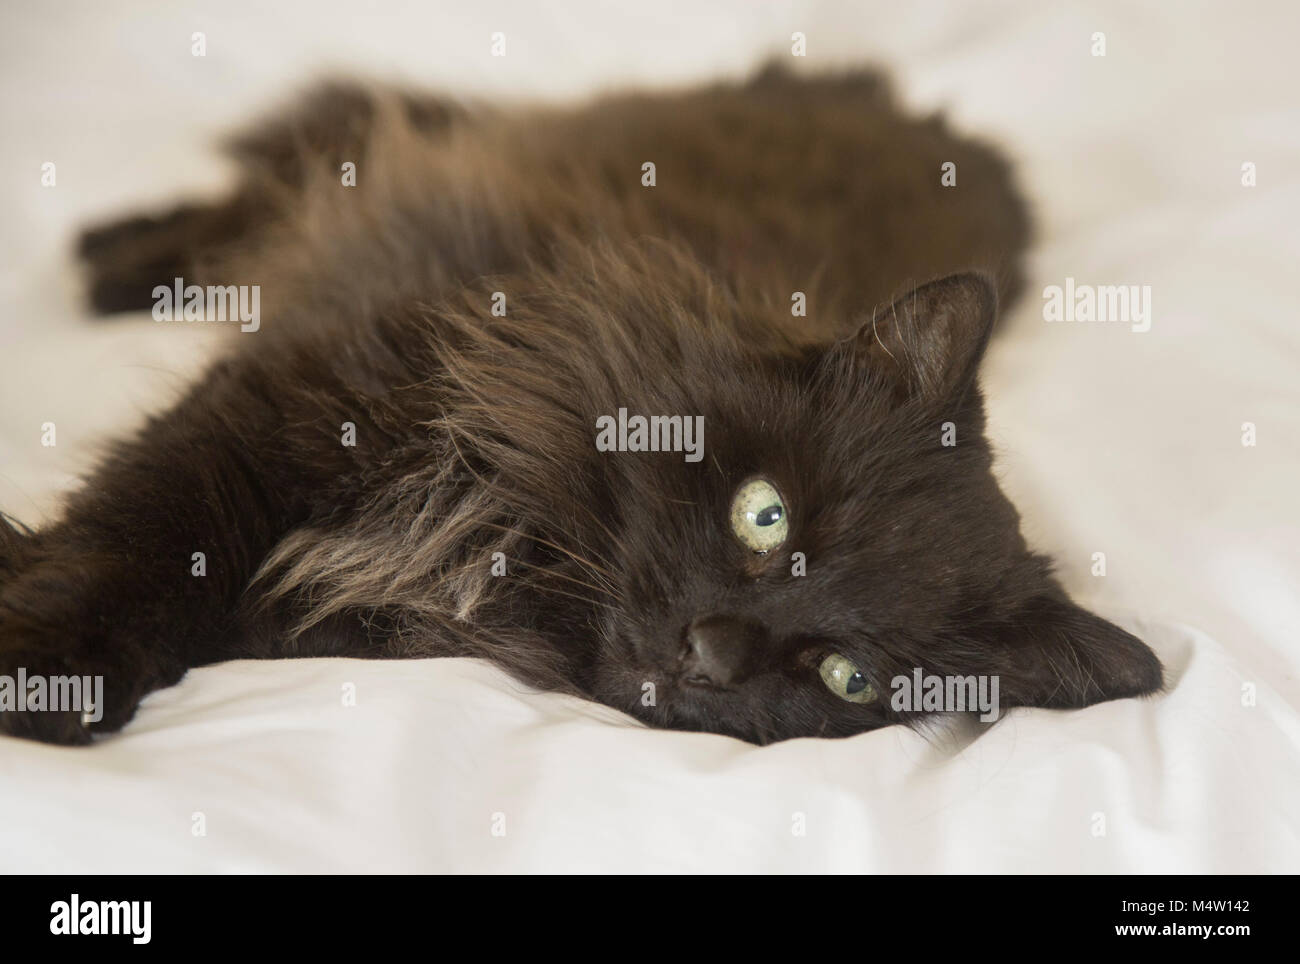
(66, 687)
(42, 698)
(81, 641)
(63, 679)
(59, 699)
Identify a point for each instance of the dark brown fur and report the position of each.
(475, 434)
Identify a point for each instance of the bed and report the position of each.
(1126, 443)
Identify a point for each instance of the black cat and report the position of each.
(400, 458)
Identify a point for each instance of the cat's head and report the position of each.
(838, 528)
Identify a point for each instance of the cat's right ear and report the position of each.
(930, 341)
(1059, 655)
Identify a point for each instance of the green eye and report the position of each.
(758, 516)
(845, 680)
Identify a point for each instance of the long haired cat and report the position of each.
(669, 401)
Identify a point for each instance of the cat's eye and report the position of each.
(843, 678)
(758, 516)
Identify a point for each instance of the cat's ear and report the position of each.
(1057, 654)
(931, 340)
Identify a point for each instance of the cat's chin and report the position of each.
(659, 701)
(663, 702)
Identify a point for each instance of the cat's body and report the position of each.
(475, 432)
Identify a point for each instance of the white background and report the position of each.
(1109, 440)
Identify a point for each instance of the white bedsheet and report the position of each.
(1111, 441)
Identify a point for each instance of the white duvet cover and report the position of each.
(1114, 441)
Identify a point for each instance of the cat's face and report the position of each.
(842, 529)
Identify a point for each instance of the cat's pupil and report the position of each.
(769, 516)
(856, 684)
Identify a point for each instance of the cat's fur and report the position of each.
(475, 434)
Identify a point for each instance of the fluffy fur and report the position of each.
(475, 433)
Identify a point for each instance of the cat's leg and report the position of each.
(145, 576)
(127, 259)
(331, 124)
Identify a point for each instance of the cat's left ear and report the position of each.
(1055, 653)
(930, 341)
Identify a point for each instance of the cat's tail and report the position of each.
(331, 124)
(933, 227)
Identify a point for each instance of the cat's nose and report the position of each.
(719, 650)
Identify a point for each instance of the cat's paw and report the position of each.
(58, 685)
(38, 701)
(56, 699)
(65, 674)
